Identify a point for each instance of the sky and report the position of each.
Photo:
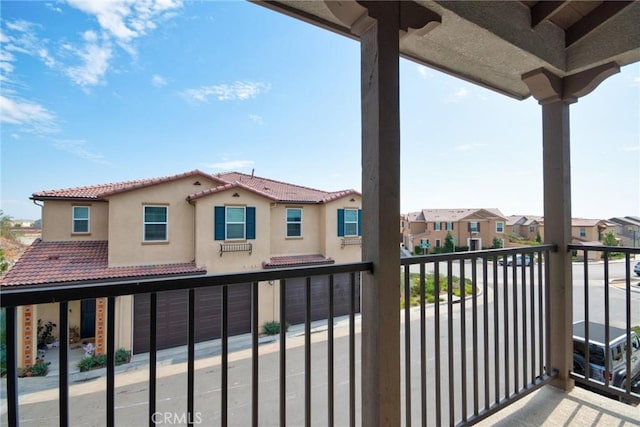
(110, 91)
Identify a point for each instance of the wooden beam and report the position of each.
(545, 10)
(593, 20)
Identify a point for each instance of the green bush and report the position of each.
(273, 327)
(39, 369)
(97, 361)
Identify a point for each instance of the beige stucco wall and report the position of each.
(124, 322)
(207, 249)
(311, 240)
(57, 219)
(333, 243)
(126, 245)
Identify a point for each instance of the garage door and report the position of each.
(295, 297)
(173, 316)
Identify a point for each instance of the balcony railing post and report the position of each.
(557, 216)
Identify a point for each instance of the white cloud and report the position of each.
(231, 164)
(458, 95)
(158, 81)
(237, 91)
(79, 148)
(53, 7)
(256, 119)
(424, 72)
(94, 59)
(631, 148)
(19, 112)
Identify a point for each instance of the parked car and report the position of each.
(519, 260)
(636, 268)
(616, 372)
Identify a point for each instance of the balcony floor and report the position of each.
(550, 406)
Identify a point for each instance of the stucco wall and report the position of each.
(126, 245)
(208, 249)
(311, 240)
(333, 243)
(57, 219)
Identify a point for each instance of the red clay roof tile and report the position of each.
(54, 262)
(297, 261)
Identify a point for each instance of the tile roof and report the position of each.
(101, 191)
(54, 262)
(453, 215)
(274, 190)
(297, 261)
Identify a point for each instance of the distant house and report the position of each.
(627, 230)
(471, 228)
(188, 224)
(527, 227)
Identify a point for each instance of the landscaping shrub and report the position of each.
(97, 361)
(39, 369)
(273, 327)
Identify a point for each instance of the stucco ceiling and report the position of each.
(494, 43)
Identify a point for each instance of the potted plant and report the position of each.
(45, 334)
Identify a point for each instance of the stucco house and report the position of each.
(473, 228)
(193, 223)
(627, 230)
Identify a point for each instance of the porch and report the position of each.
(481, 356)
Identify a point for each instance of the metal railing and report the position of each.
(12, 298)
(481, 345)
(610, 304)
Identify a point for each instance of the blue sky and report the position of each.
(111, 91)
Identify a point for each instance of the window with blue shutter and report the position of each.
(349, 222)
(234, 223)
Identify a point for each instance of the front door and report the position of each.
(474, 244)
(87, 318)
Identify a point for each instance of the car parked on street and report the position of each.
(520, 260)
(616, 370)
(636, 268)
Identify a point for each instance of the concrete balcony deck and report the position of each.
(550, 406)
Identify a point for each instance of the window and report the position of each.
(349, 222)
(449, 226)
(474, 227)
(234, 223)
(500, 227)
(583, 232)
(155, 223)
(532, 228)
(294, 222)
(437, 226)
(438, 243)
(80, 219)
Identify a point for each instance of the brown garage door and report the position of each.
(295, 297)
(173, 316)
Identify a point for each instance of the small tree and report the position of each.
(497, 243)
(448, 242)
(538, 237)
(610, 239)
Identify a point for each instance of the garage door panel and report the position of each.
(295, 297)
(173, 316)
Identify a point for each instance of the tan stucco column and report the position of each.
(555, 94)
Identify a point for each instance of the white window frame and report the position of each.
(293, 222)
(473, 226)
(227, 223)
(437, 226)
(74, 219)
(583, 232)
(144, 223)
(449, 226)
(502, 224)
(350, 222)
(532, 228)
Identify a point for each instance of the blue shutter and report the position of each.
(219, 222)
(340, 222)
(251, 223)
(359, 222)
